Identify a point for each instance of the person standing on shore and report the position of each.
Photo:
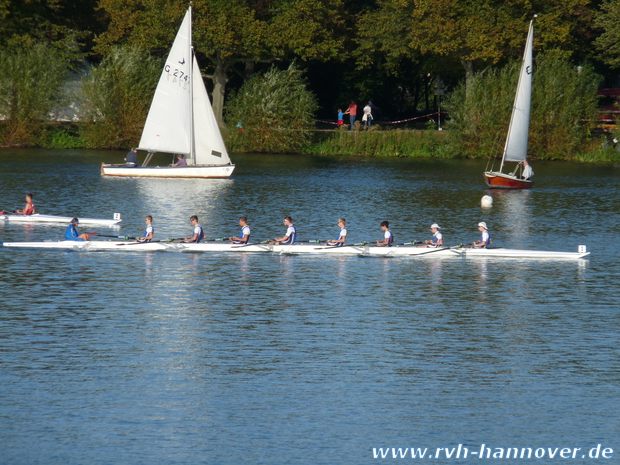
(352, 111)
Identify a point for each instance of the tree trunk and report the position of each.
(469, 74)
(220, 79)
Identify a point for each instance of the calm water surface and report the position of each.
(163, 358)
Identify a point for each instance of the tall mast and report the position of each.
(191, 92)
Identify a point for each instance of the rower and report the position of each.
(149, 231)
(290, 236)
(342, 223)
(29, 208)
(71, 234)
(388, 237)
(485, 240)
(437, 240)
(198, 232)
(244, 235)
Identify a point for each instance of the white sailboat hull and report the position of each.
(363, 250)
(194, 171)
(37, 218)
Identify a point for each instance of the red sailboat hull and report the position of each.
(497, 180)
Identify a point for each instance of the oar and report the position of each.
(115, 237)
(218, 239)
(312, 241)
(347, 245)
(438, 249)
(6, 210)
(174, 239)
(251, 243)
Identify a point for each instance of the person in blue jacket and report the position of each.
(72, 234)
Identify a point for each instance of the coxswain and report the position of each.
(71, 234)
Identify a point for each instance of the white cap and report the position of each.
(483, 224)
(435, 225)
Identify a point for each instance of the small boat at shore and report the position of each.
(363, 249)
(515, 149)
(38, 218)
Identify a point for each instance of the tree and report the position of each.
(65, 24)
(476, 34)
(608, 43)
(563, 96)
(275, 110)
(30, 87)
(233, 35)
(116, 96)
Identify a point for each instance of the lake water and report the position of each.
(182, 358)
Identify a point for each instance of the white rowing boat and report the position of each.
(354, 249)
(37, 218)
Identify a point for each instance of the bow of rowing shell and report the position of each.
(355, 249)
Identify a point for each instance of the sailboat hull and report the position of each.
(194, 171)
(497, 180)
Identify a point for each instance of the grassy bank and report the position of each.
(374, 142)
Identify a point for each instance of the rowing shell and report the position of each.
(365, 250)
(37, 218)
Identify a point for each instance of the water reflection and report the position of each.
(516, 221)
(230, 352)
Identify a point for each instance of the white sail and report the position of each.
(167, 127)
(516, 141)
(180, 120)
(209, 145)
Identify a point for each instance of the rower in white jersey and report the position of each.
(485, 239)
(244, 235)
(291, 233)
(198, 232)
(342, 223)
(388, 237)
(437, 240)
(149, 231)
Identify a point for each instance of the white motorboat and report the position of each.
(38, 218)
(364, 249)
(180, 121)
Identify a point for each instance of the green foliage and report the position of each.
(608, 43)
(61, 136)
(562, 98)
(380, 143)
(30, 87)
(276, 111)
(116, 97)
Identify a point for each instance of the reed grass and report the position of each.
(376, 142)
